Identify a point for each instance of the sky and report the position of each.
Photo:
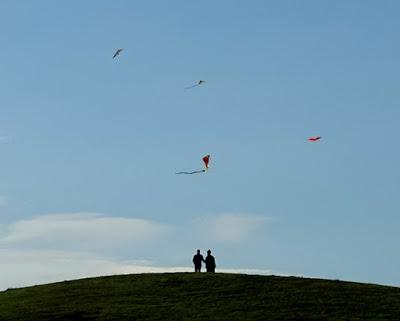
(90, 145)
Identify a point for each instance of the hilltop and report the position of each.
(190, 296)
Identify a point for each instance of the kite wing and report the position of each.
(314, 139)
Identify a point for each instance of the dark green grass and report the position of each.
(190, 296)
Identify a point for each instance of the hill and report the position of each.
(190, 296)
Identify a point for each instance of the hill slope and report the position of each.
(190, 296)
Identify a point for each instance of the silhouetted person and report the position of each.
(210, 262)
(197, 259)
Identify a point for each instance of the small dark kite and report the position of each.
(200, 82)
(117, 52)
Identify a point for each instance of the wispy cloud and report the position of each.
(233, 227)
(87, 231)
(55, 247)
(30, 267)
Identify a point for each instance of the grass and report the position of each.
(190, 296)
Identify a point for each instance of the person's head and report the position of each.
(198, 251)
(209, 252)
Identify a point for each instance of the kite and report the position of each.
(117, 52)
(314, 139)
(206, 161)
(200, 82)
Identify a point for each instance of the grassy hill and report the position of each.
(190, 296)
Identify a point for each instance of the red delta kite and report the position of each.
(200, 82)
(315, 138)
(206, 161)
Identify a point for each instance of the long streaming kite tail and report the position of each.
(191, 87)
(190, 173)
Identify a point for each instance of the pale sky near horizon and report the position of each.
(90, 144)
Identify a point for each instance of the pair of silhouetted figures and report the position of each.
(209, 261)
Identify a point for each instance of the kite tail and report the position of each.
(190, 173)
(191, 87)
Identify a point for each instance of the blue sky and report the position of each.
(88, 141)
